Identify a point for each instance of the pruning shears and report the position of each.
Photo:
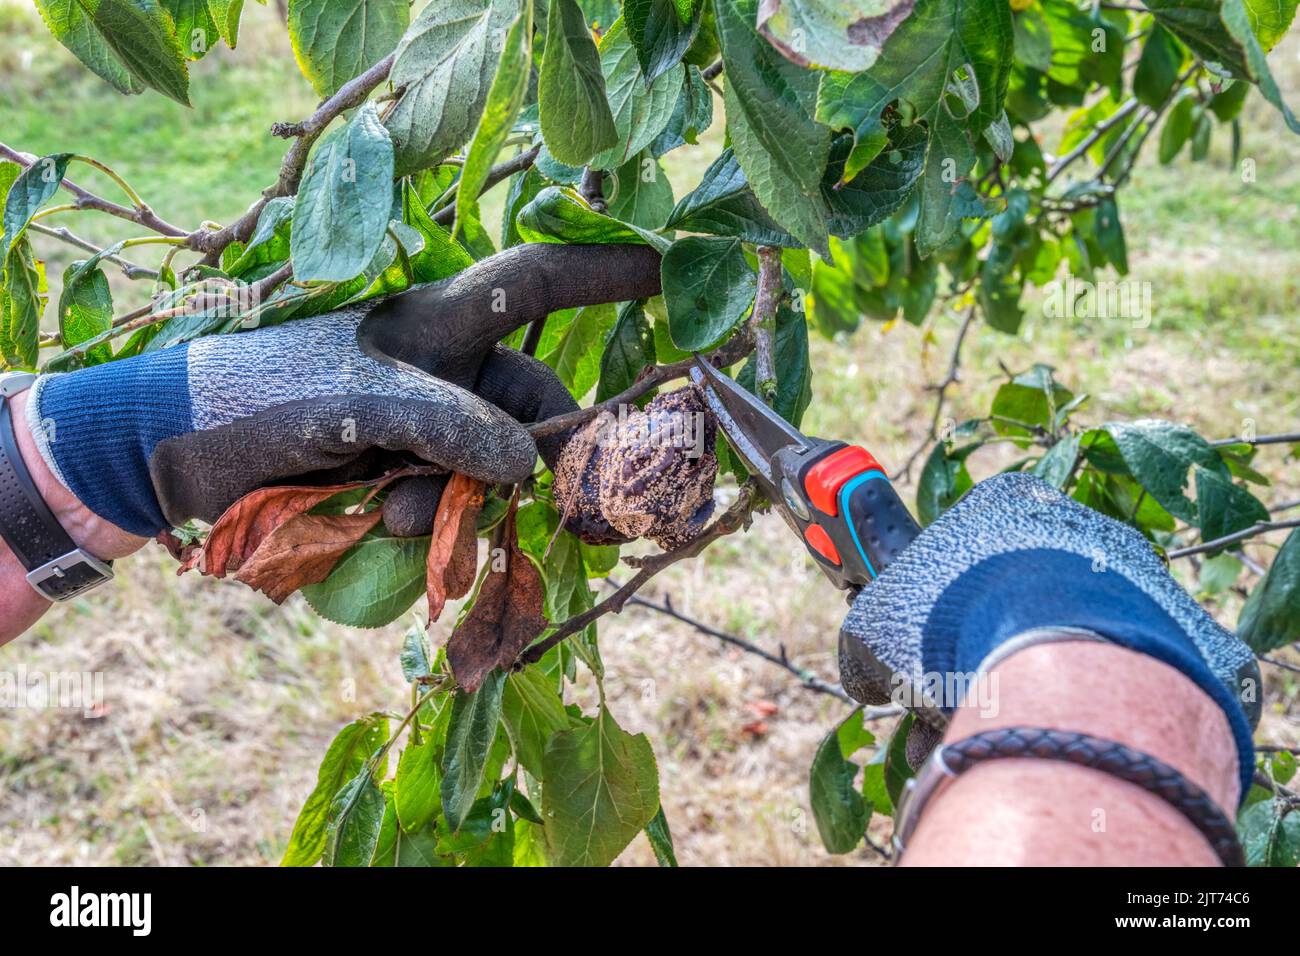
(836, 497)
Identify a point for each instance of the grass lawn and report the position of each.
(220, 704)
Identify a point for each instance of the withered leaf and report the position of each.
(302, 551)
(505, 618)
(245, 524)
(453, 549)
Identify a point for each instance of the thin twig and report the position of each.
(729, 353)
(952, 377)
(1285, 665)
(502, 170)
(130, 269)
(733, 519)
(806, 678)
(1286, 438)
(1086, 144)
(1262, 527)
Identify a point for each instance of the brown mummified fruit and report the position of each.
(643, 474)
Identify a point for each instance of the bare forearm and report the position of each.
(1037, 812)
(20, 605)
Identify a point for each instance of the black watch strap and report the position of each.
(56, 567)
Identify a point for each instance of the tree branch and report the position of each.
(1255, 529)
(941, 393)
(1286, 438)
(806, 678)
(762, 321)
(729, 353)
(733, 519)
(502, 170)
(130, 269)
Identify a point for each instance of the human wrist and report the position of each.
(1031, 811)
(88, 530)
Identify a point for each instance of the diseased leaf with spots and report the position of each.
(832, 34)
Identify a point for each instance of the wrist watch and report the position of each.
(56, 567)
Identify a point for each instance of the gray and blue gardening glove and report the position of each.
(183, 432)
(1012, 564)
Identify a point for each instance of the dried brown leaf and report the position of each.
(302, 551)
(453, 549)
(503, 621)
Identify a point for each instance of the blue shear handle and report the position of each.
(878, 520)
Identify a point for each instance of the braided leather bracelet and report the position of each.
(1082, 750)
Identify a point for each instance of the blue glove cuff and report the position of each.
(97, 428)
(1010, 593)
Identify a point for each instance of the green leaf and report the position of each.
(386, 845)
(832, 34)
(533, 713)
(575, 353)
(645, 194)
(442, 256)
(692, 115)
(897, 769)
(561, 215)
(335, 40)
(225, 14)
(1218, 573)
(874, 790)
(73, 25)
(86, 306)
(661, 839)
(1270, 617)
(474, 721)
(770, 103)
(1033, 38)
(142, 36)
(196, 33)
(575, 115)
(708, 286)
(1030, 399)
(944, 479)
(1158, 68)
(344, 202)
(1269, 835)
(354, 822)
(415, 655)
(445, 64)
(1057, 465)
(346, 756)
(504, 101)
(880, 189)
(1237, 20)
(29, 192)
(724, 205)
(24, 299)
(270, 240)
(1177, 128)
(602, 789)
(416, 785)
(374, 583)
(1158, 454)
(838, 809)
(940, 38)
(640, 112)
(660, 32)
(631, 348)
(1223, 506)
(1110, 234)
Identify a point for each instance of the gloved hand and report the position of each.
(1011, 563)
(184, 432)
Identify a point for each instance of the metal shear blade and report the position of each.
(754, 430)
